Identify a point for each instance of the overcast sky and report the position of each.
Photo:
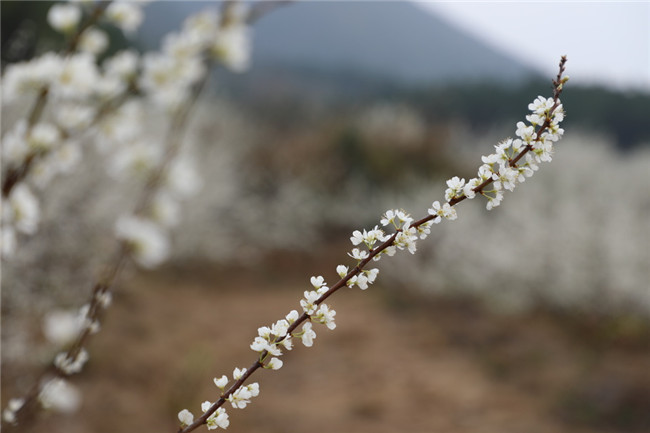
(606, 42)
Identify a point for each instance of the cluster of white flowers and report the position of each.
(168, 76)
(98, 101)
(109, 103)
(35, 151)
(14, 405)
(272, 339)
(239, 399)
(502, 168)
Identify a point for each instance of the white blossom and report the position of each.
(93, 41)
(59, 395)
(14, 405)
(74, 117)
(64, 17)
(125, 15)
(43, 136)
(28, 78)
(358, 254)
(123, 65)
(308, 334)
(525, 132)
(182, 178)
(279, 328)
(232, 47)
(455, 187)
(77, 78)
(221, 382)
(219, 418)
(61, 327)
(292, 316)
(148, 242)
(241, 397)
(308, 304)
(275, 364)
(317, 282)
(185, 417)
(71, 366)
(325, 316)
(23, 210)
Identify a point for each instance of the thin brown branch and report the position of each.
(359, 268)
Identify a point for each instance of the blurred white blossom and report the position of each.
(64, 17)
(60, 395)
(147, 240)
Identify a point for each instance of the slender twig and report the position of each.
(372, 253)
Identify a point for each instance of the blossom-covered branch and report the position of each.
(501, 170)
(172, 79)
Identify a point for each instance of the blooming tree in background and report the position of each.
(77, 100)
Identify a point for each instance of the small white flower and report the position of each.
(259, 344)
(69, 366)
(317, 282)
(308, 304)
(241, 397)
(356, 253)
(455, 185)
(64, 17)
(468, 190)
(185, 417)
(182, 178)
(325, 316)
(287, 342)
(205, 406)
(43, 136)
(292, 316)
(371, 274)
(233, 47)
(342, 270)
(77, 78)
(59, 395)
(221, 382)
(23, 210)
(219, 419)
(14, 405)
(275, 364)
(357, 237)
(125, 15)
(541, 105)
(308, 334)
(494, 201)
(148, 242)
(279, 328)
(123, 65)
(525, 132)
(93, 41)
(238, 373)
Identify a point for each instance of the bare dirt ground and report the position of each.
(395, 363)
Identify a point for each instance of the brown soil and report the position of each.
(395, 362)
